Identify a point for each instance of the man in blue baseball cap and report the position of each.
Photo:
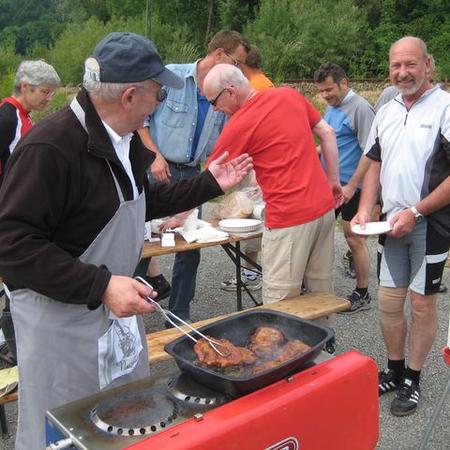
(74, 203)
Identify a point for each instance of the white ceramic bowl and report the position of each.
(239, 225)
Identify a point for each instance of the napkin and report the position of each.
(204, 234)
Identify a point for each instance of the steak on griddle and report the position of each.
(235, 355)
(265, 341)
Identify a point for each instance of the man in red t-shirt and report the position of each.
(276, 128)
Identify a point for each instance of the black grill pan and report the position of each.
(238, 330)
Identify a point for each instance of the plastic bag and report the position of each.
(236, 205)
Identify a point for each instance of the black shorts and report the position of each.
(349, 210)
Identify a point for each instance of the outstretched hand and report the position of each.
(228, 174)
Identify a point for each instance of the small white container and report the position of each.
(167, 240)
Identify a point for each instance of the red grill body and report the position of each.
(333, 405)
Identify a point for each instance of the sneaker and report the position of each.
(443, 289)
(330, 346)
(405, 403)
(388, 381)
(230, 285)
(358, 303)
(349, 267)
(160, 285)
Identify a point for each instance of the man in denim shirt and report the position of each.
(182, 133)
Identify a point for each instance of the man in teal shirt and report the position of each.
(351, 117)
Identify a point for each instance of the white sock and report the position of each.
(250, 275)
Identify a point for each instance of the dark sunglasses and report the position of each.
(161, 95)
(216, 98)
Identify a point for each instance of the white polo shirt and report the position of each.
(414, 150)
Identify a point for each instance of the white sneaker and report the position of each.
(230, 285)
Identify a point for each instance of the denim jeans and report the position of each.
(184, 272)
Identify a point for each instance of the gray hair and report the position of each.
(35, 73)
(104, 91)
(224, 75)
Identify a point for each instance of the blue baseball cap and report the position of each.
(126, 57)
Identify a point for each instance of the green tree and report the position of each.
(9, 62)
(374, 61)
(235, 14)
(296, 36)
(69, 51)
(126, 8)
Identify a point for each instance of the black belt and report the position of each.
(183, 166)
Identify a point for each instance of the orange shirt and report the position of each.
(260, 82)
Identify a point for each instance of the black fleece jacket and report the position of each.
(58, 194)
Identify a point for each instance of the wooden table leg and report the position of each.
(235, 254)
(3, 421)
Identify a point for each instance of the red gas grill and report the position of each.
(331, 405)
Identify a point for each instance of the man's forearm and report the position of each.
(436, 200)
(330, 155)
(358, 176)
(329, 149)
(371, 187)
(148, 141)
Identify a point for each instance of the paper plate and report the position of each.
(239, 225)
(372, 228)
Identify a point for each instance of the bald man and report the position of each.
(409, 152)
(276, 127)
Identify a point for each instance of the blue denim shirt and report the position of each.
(172, 125)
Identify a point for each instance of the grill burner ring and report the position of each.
(136, 413)
(188, 391)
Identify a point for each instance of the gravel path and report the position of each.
(359, 331)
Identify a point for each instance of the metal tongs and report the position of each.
(170, 317)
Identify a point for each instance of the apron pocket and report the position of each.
(118, 350)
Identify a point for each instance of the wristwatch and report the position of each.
(417, 216)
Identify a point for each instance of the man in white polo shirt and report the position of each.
(409, 149)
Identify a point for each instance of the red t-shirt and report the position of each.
(274, 127)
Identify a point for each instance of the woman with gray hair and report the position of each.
(34, 86)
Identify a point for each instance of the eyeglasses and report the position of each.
(216, 98)
(236, 62)
(46, 92)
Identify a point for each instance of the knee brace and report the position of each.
(391, 302)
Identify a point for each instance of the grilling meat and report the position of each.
(288, 351)
(235, 355)
(265, 341)
(267, 349)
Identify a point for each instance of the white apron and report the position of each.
(66, 351)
